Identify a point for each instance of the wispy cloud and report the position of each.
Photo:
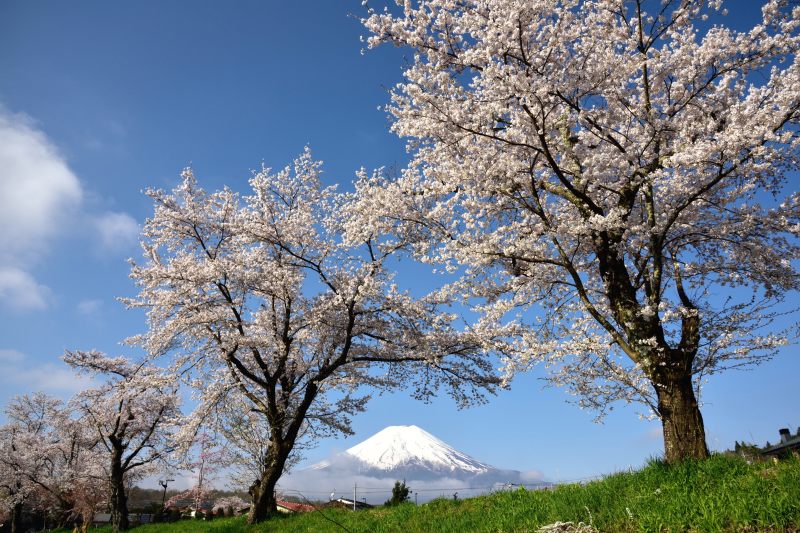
(19, 291)
(20, 374)
(10, 356)
(41, 199)
(39, 196)
(107, 137)
(376, 490)
(116, 231)
(39, 193)
(89, 307)
(340, 472)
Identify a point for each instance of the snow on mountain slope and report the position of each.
(409, 452)
(427, 464)
(396, 447)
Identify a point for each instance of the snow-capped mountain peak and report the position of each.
(412, 454)
(399, 447)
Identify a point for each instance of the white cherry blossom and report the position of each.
(613, 178)
(260, 304)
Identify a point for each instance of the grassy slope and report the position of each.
(719, 494)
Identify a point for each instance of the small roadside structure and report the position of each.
(788, 444)
(293, 507)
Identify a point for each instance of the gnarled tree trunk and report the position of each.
(280, 447)
(119, 500)
(684, 432)
(264, 503)
(669, 368)
(16, 518)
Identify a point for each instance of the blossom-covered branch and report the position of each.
(133, 415)
(258, 299)
(603, 171)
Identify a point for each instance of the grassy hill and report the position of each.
(719, 494)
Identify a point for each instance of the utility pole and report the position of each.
(164, 483)
(354, 495)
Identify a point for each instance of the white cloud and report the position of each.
(89, 307)
(20, 375)
(376, 490)
(341, 471)
(116, 231)
(532, 476)
(20, 292)
(39, 193)
(41, 199)
(10, 356)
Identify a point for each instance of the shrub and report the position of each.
(400, 493)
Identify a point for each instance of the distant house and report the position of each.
(293, 507)
(788, 444)
(346, 503)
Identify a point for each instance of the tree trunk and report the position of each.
(264, 503)
(119, 500)
(684, 432)
(16, 518)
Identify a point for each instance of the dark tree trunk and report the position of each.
(262, 491)
(63, 517)
(119, 500)
(684, 432)
(669, 369)
(16, 518)
(264, 502)
(119, 505)
(280, 447)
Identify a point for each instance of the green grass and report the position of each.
(719, 494)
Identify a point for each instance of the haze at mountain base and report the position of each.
(431, 467)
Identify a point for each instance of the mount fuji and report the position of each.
(412, 454)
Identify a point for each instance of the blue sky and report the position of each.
(100, 100)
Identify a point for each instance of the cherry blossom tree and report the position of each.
(247, 437)
(195, 498)
(133, 414)
(207, 460)
(90, 495)
(47, 462)
(231, 505)
(18, 458)
(259, 296)
(609, 177)
(70, 470)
